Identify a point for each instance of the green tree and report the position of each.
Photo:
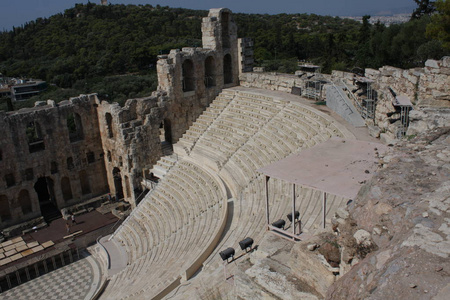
(424, 7)
(363, 54)
(439, 28)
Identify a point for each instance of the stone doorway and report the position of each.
(165, 135)
(227, 69)
(44, 188)
(118, 183)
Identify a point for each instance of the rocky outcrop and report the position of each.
(270, 273)
(402, 217)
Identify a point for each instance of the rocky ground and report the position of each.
(395, 241)
(391, 242)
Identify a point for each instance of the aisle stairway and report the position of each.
(182, 224)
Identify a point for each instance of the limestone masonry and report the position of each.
(186, 159)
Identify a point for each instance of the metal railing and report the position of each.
(366, 111)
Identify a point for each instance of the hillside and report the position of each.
(77, 49)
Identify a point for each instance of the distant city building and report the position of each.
(20, 89)
(386, 20)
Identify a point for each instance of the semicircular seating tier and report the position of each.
(181, 222)
(171, 232)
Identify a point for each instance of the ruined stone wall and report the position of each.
(276, 81)
(56, 147)
(107, 147)
(130, 141)
(427, 88)
(245, 52)
(188, 80)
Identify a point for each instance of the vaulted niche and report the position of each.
(10, 180)
(227, 69)
(25, 202)
(225, 30)
(127, 186)
(118, 183)
(53, 167)
(165, 131)
(210, 74)
(165, 135)
(109, 128)
(34, 137)
(188, 76)
(66, 188)
(45, 190)
(75, 127)
(84, 182)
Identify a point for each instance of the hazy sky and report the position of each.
(17, 12)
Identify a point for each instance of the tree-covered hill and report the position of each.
(87, 46)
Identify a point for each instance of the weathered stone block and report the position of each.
(431, 63)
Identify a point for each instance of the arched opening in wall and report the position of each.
(75, 127)
(225, 30)
(210, 75)
(53, 167)
(90, 157)
(44, 188)
(66, 189)
(10, 180)
(109, 128)
(118, 183)
(5, 212)
(70, 164)
(34, 137)
(25, 202)
(127, 186)
(165, 135)
(227, 69)
(84, 182)
(188, 76)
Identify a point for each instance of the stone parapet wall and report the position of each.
(271, 81)
(276, 81)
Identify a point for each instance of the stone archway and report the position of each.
(118, 183)
(210, 72)
(227, 69)
(165, 136)
(45, 191)
(5, 211)
(188, 76)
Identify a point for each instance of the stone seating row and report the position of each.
(159, 263)
(188, 140)
(292, 129)
(168, 201)
(180, 216)
(231, 130)
(249, 217)
(169, 230)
